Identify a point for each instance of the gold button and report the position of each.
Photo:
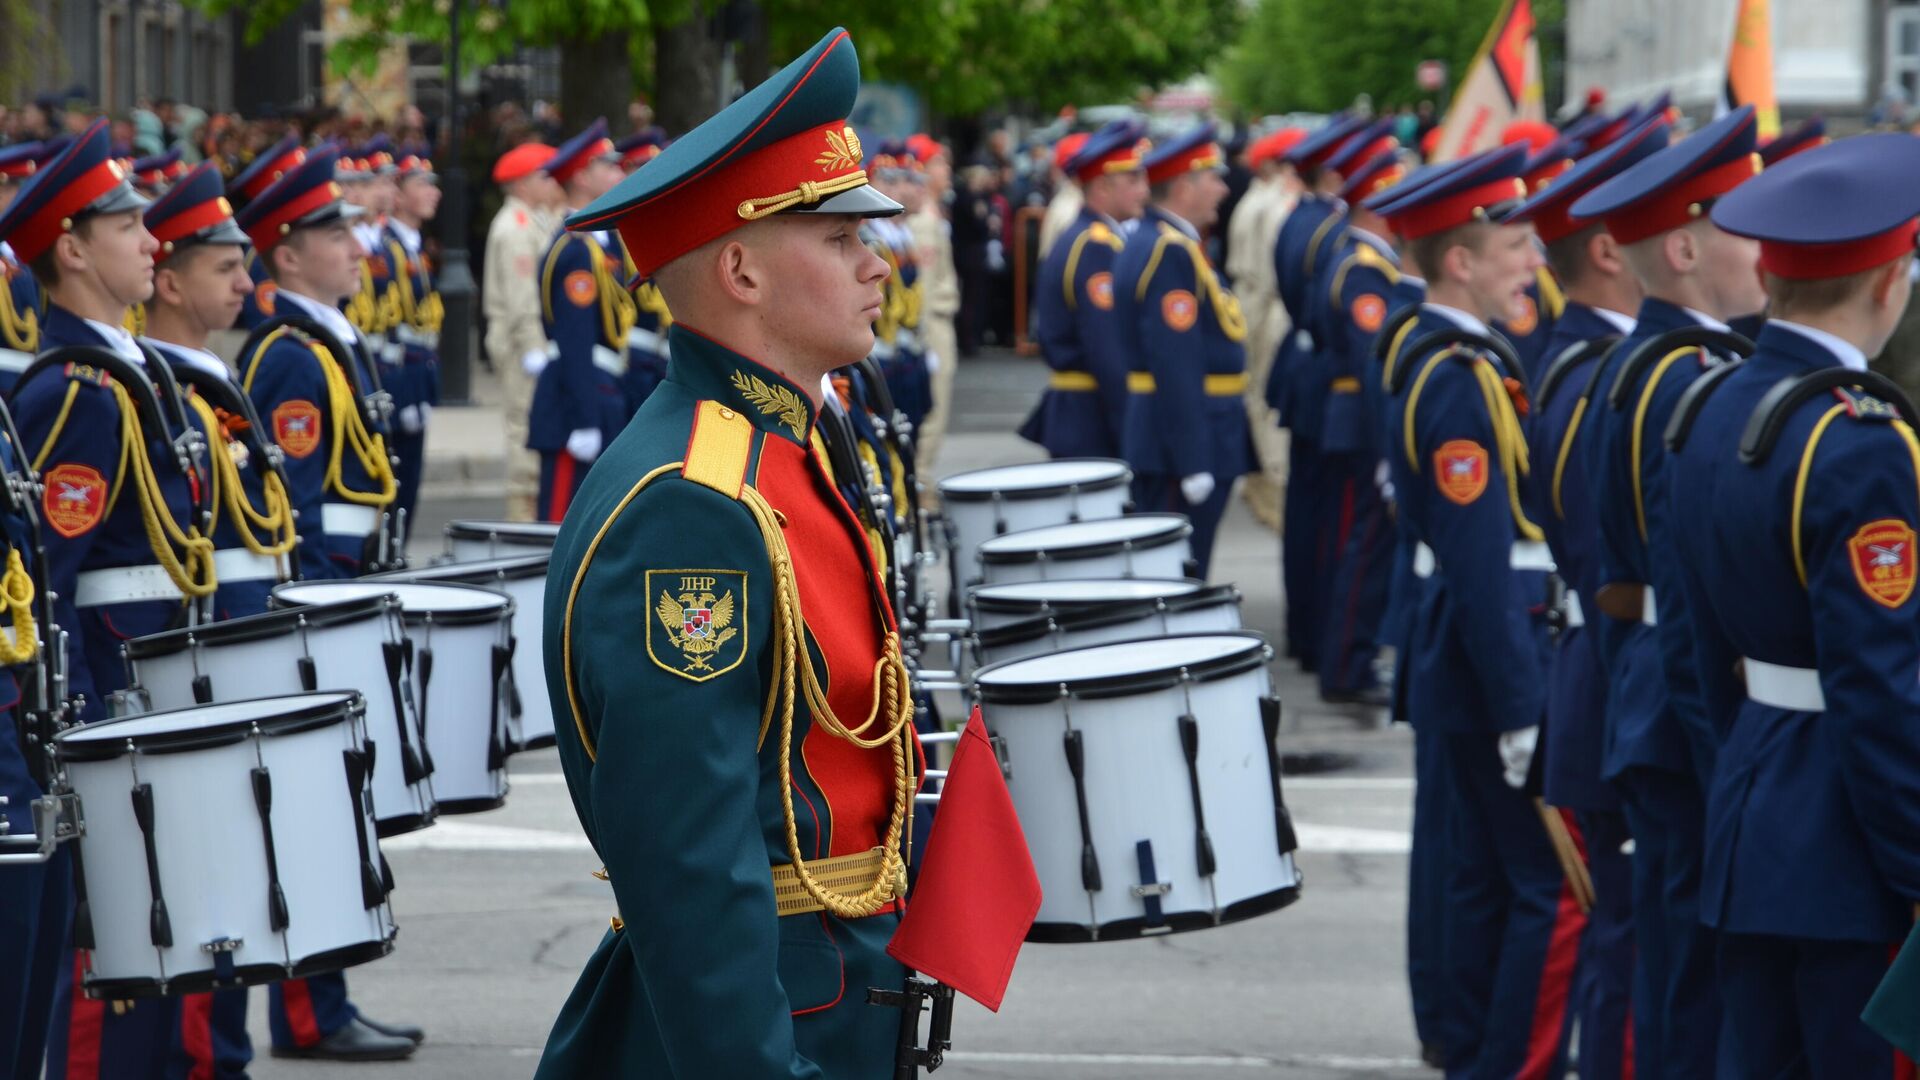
(726, 413)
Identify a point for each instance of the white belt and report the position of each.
(124, 584)
(611, 361)
(392, 352)
(1526, 555)
(409, 335)
(239, 564)
(1571, 611)
(1793, 688)
(348, 519)
(639, 337)
(14, 360)
(1649, 611)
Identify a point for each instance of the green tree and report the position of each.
(1319, 55)
(963, 56)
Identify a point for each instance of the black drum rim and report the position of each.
(981, 597)
(1252, 656)
(275, 622)
(1175, 530)
(282, 594)
(512, 533)
(1051, 491)
(471, 572)
(1098, 616)
(304, 712)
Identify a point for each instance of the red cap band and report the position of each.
(37, 233)
(1671, 209)
(1456, 210)
(274, 228)
(264, 179)
(1806, 262)
(1204, 156)
(187, 222)
(579, 161)
(1377, 183)
(797, 170)
(1121, 159)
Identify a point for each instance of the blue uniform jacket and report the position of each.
(301, 395)
(1360, 286)
(1081, 338)
(647, 350)
(92, 520)
(1183, 332)
(1302, 252)
(259, 307)
(16, 781)
(1812, 818)
(1476, 646)
(1576, 732)
(1644, 728)
(413, 325)
(22, 309)
(586, 314)
(1530, 332)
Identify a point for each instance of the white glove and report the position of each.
(1196, 488)
(411, 421)
(584, 444)
(534, 362)
(426, 413)
(1516, 754)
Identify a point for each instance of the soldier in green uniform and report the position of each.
(734, 712)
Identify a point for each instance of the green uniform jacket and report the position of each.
(659, 647)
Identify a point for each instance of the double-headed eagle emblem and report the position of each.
(698, 624)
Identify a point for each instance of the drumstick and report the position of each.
(1568, 853)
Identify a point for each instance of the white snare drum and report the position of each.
(989, 502)
(1135, 546)
(354, 645)
(994, 606)
(1209, 609)
(523, 577)
(460, 640)
(226, 844)
(471, 540)
(1147, 781)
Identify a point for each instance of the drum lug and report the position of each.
(1077, 765)
(1282, 817)
(1202, 843)
(277, 917)
(159, 928)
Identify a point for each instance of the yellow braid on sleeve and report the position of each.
(185, 555)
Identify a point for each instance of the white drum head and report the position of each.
(415, 598)
(206, 718)
(1034, 480)
(1039, 595)
(1149, 663)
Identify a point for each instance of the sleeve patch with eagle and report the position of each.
(699, 626)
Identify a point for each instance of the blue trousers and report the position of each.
(1161, 494)
(33, 949)
(1435, 1015)
(1359, 542)
(1299, 575)
(1793, 1008)
(104, 1040)
(1603, 991)
(1513, 928)
(301, 1012)
(1676, 1005)
(561, 475)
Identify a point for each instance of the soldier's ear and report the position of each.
(740, 274)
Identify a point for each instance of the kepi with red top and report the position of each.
(1547, 207)
(270, 165)
(576, 153)
(1480, 188)
(1119, 146)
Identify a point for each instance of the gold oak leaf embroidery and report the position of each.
(773, 401)
(697, 625)
(843, 151)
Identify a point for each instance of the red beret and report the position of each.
(522, 160)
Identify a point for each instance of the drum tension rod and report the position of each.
(1282, 817)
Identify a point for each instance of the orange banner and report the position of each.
(1501, 85)
(1750, 66)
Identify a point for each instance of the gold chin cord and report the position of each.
(892, 712)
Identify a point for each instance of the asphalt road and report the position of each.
(497, 911)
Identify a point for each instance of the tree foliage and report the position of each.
(1319, 55)
(963, 56)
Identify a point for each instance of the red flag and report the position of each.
(977, 892)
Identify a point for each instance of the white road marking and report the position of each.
(1185, 1061)
(447, 835)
